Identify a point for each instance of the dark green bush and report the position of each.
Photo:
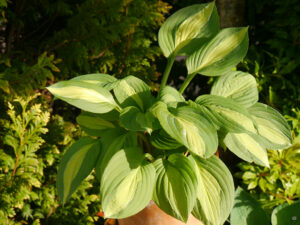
(42, 42)
(274, 54)
(77, 37)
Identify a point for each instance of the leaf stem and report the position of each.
(186, 82)
(167, 71)
(146, 142)
(149, 157)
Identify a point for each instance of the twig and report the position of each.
(15, 167)
(98, 56)
(125, 54)
(127, 46)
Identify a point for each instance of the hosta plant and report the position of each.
(160, 146)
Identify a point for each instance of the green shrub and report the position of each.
(280, 183)
(28, 164)
(274, 53)
(21, 171)
(44, 41)
(50, 40)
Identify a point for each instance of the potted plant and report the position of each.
(160, 146)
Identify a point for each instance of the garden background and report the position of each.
(43, 41)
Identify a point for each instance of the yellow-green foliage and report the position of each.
(275, 185)
(28, 161)
(281, 182)
(20, 167)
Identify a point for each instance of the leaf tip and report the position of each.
(50, 88)
(245, 29)
(212, 3)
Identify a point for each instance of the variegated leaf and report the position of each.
(215, 191)
(93, 124)
(111, 141)
(248, 147)
(132, 91)
(196, 21)
(220, 54)
(239, 86)
(176, 186)
(271, 126)
(169, 94)
(103, 80)
(87, 96)
(133, 119)
(188, 127)
(127, 183)
(225, 113)
(76, 165)
(161, 140)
